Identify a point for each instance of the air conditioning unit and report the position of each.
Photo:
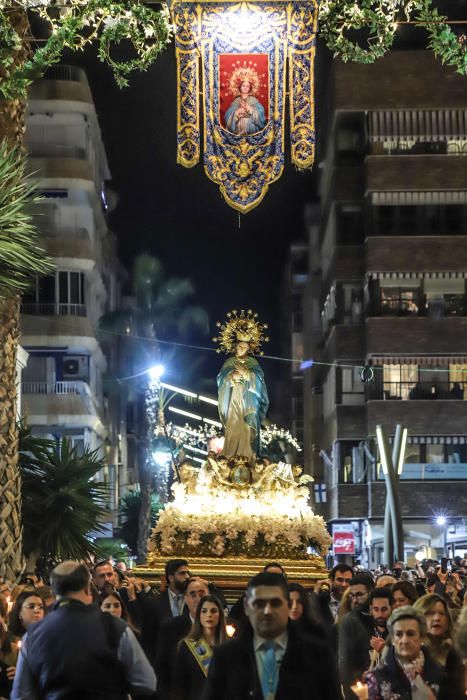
(75, 367)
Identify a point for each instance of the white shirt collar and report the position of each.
(280, 641)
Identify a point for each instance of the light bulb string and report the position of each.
(303, 364)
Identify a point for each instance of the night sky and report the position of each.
(179, 215)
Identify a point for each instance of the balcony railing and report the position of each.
(76, 388)
(55, 150)
(419, 391)
(52, 309)
(449, 305)
(63, 232)
(62, 72)
(52, 388)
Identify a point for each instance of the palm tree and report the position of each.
(21, 258)
(159, 309)
(129, 513)
(62, 500)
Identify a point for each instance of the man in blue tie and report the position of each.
(271, 660)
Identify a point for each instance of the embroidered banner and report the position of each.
(244, 50)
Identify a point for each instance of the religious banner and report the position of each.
(246, 56)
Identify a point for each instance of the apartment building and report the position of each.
(387, 289)
(63, 390)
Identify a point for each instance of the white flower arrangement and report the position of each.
(226, 521)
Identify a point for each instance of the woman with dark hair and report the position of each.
(439, 625)
(403, 594)
(112, 602)
(195, 651)
(28, 609)
(301, 613)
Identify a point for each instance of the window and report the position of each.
(435, 454)
(404, 299)
(399, 381)
(71, 287)
(350, 224)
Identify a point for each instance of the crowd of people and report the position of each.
(99, 632)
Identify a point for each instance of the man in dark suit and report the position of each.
(271, 661)
(327, 594)
(172, 632)
(171, 602)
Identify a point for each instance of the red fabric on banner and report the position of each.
(231, 64)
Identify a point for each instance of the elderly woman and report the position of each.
(439, 625)
(409, 672)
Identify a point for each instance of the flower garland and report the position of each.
(379, 18)
(76, 24)
(272, 433)
(450, 48)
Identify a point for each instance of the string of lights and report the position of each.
(367, 369)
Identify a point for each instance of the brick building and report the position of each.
(387, 286)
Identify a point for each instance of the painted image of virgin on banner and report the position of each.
(244, 92)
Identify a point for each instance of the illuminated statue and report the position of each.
(243, 398)
(245, 114)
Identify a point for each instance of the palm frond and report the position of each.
(62, 501)
(21, 256)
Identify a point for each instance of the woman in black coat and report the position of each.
(195, 651)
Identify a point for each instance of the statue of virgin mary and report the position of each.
(243, 397)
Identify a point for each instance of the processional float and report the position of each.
(239, 509)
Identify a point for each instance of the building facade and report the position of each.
(63, 391)
(387, 290)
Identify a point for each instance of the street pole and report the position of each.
(393, 529)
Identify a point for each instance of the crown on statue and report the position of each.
(241, 326)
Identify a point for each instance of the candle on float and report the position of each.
(19, 644)
(360, 690)
(230, 629)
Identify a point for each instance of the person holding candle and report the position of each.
(8, 652)
(409, 672)
(195, 651)
(28, 609)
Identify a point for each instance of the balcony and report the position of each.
(442, 416)
(448, 305)
(58, 399)
(416, 173)
(68, 242)
(345, 341)
(418, 391)
(53, 309)
(420, 254)
(64, 72)
(414, 335)
(55, 150)
(62, 82)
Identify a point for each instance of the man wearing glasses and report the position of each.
(355, 632)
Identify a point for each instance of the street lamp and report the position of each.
(156, 372)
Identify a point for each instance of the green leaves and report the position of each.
(78, 24)
(21, 256)
(377, 19)
(62, 500)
